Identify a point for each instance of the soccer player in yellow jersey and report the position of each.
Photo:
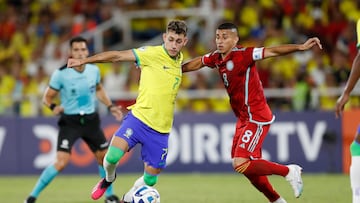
(340, 104)
(150, 119)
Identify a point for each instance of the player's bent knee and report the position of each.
(150, 179)
(113, 155)
(60, 166)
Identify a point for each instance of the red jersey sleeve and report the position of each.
(252, 54)
(209, 60)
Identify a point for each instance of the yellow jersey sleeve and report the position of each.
(158, 87)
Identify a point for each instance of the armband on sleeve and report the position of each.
(258, 53)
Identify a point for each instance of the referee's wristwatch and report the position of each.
(52, 106)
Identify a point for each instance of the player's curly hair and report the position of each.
(178, 26)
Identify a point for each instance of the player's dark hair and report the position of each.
(228, 26)
(77, 39)
(178, 26)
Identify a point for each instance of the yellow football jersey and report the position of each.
(158, 87)
(358, 33)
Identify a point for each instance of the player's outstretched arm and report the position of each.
(350, 84)
(192, 65)
(290, 48)
(104, 57)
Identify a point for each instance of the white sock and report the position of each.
(110, 170)
(280, 200)
(139, 182)
(355, 178)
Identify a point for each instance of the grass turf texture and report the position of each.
(180, 188)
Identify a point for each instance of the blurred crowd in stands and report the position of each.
(33, 36)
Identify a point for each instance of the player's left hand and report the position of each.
(73, 62)
(116, 112)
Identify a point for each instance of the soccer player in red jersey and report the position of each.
(236, 66)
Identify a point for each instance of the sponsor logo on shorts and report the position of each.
(65, 144)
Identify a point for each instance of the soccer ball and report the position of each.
(146, 194)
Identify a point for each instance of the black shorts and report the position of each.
(87, 127)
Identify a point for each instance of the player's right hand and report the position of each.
(311, 42)
(116, 112)
(58, 110)
(340, 104)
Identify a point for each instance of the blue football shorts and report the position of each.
(154, 145)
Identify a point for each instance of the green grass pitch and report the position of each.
(180, 188)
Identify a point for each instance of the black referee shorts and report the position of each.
(87, 127)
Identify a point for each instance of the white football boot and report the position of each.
(294, 178)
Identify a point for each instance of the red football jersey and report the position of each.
(242, 82)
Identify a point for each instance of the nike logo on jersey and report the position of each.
(165, 67)
(104, 145)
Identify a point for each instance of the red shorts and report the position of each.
(248, 139)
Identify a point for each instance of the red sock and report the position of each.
(261, 167)
(263, 185)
